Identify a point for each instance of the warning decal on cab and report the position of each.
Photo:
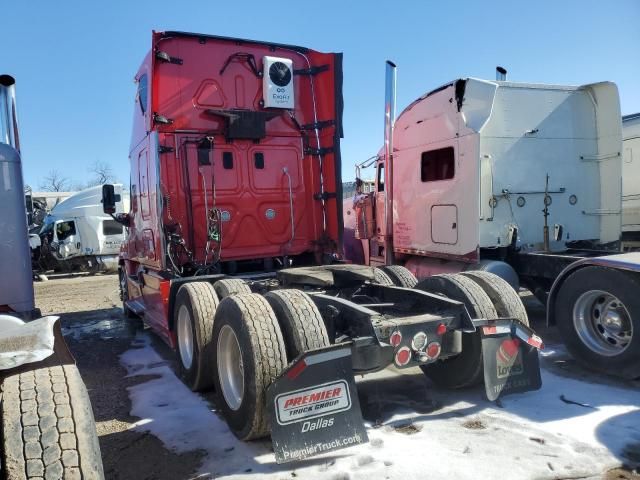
(312, 402)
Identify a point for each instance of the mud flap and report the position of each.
(314, 407)
(510, 356)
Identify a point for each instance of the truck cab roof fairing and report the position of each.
(237, 41)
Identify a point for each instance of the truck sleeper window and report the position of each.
(437, 165)
(142, 93)
(381, 177)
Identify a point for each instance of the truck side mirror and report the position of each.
(109, 199)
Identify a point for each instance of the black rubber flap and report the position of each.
(510, 364)
(314, 406)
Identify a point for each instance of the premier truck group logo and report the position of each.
(508, 359)
(312, 402)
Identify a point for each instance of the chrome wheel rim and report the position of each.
(185, 337)
(602, 322)
(230, 367)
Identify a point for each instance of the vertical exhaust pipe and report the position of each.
(8, 118)
(501, 74)
(16, 282)
(389, 122)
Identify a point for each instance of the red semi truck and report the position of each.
(234, 244)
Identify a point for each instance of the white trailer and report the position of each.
(631, 181)
(522, 180)
(77, 233)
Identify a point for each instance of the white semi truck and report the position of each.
(631, 181)
(522, 180)
(78, 235)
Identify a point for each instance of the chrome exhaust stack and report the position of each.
(8, 118)
(389, 122)
(501, 74)
(16, 277)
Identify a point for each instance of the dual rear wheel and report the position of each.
(485, 295)
(395, 275)
(241, 344)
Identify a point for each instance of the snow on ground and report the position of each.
(415, 430)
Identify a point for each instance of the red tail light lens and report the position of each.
(441, 329)
(396, 338)
(403, 356)
(433, 350)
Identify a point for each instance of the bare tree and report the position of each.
(102, 174)
(54, 182)
(77, 186)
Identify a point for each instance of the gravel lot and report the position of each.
(98, 334)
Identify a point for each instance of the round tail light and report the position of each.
(396, 338)
(433, 350)
(441, 329)
(403, 356)
(419, 341)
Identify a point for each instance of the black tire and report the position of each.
(124, 294)
(300, 321)
(199, 301)
(48, 426)
(505, 299)
(230, 286)
(400, 276)
(625, 287)
(465, 369)
(381, 278)
(499, 268)
(263, 354)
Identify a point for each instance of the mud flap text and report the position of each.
(314, 406)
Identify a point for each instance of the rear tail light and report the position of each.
(419, 341)
(403, 356)
(433, 350)
(396, 338)
(441, 329)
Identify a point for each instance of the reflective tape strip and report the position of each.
(532, 340)
(536, 342)
(496, 330)
(316, 358)
(297, 369)
(326, 356)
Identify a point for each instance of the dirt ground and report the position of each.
(98, 333)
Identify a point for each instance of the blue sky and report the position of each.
(74, 61)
